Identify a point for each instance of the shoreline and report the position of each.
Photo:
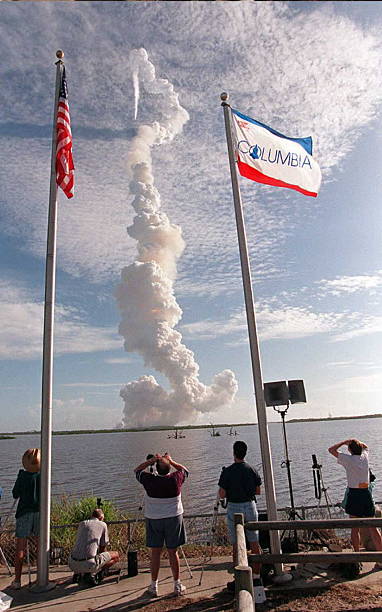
(183, 427)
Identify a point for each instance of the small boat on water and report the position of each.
(214, 433)
(232, 432)
(177, 434)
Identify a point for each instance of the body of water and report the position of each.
(103, 464)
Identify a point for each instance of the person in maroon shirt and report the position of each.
(163, 514)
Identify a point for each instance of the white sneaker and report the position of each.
(179, 589)
(152, 590)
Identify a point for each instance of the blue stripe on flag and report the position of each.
(306, 143)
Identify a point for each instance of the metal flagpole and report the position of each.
(253, 341)
(43, 583)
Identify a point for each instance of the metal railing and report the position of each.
(312, 525)
(198, 527)
(124, 534)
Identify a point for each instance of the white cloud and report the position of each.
(243, 410)
(363, 325)
(277, 77)
(77, 413)
(273, 324)
(295, 322)
(285, 323)
(366, 365)
(21, 332)
(367, 384)
(208, 328)
(91, 385)
(118, 360)
(339, 364)
(352, 284)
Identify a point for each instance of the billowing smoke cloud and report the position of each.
(136, 92)
(145, 296)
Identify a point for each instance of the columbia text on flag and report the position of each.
(266, 156)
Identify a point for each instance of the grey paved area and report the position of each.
(129, 593)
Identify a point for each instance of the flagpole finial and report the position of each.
(224, 98)
(60, 54)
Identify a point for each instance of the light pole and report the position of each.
(277, 394)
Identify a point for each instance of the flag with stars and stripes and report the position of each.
(64, 157)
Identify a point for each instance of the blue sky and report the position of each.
(305, 68)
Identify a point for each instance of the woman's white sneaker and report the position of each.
(179, 589)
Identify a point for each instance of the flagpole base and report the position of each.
(42, 588)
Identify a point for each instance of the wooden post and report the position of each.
(243, 579)
(240, 540)
(243, 573)
(245, 602)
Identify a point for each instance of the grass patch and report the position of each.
(68, 511)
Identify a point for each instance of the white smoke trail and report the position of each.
(145, 296)
(136, 93)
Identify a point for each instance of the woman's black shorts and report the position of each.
(360, 503)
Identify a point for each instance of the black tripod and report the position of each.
(319, 485)
(292, 513)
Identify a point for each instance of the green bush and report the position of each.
(66, 510)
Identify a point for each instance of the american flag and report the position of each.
(64, 157)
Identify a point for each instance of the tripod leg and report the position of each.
(5, 561)
(186, 562)
(204, 562)
(213, 528)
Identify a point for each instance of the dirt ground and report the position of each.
(338, 598)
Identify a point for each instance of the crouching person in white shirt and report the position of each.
(89, 556)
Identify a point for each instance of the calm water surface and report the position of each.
(102, 464)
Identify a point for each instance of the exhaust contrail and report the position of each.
(145, 296)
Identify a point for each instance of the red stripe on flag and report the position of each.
(259, 177)
(64, 156)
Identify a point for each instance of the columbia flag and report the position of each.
(266, 156)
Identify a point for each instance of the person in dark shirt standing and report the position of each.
(239, 484)
(163, 514)
(27, 491)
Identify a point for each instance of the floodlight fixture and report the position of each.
(276, 393)
(296, 392)
(281, 393)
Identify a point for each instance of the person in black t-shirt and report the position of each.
(239, 484)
